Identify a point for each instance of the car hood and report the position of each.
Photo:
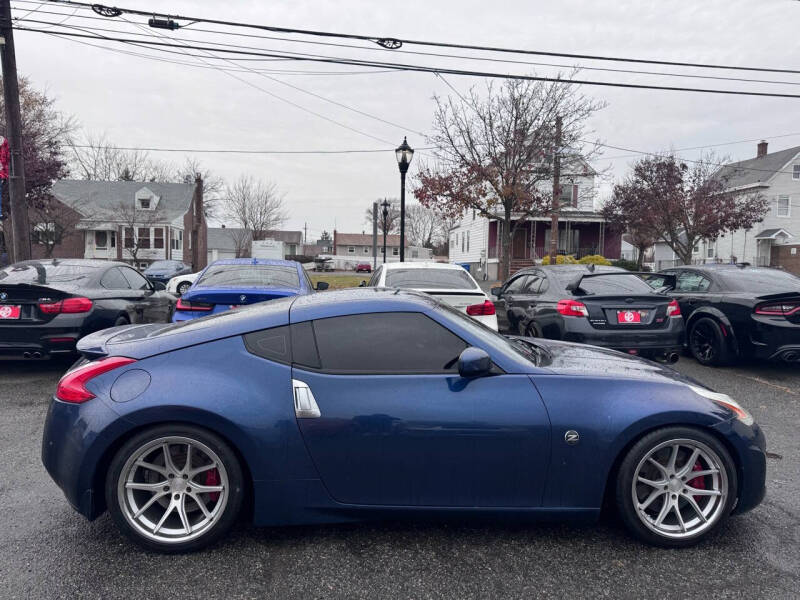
(580, 359)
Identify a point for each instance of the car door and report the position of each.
(525, 300)
(151, 306)
(691, 290)
(505, 302)
(395, 424)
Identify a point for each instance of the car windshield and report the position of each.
(760, 281)
(612, 285)
(236, 276)
(427, 278)
(492, 339)
(165, 264)
(42, 273)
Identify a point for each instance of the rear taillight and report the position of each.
(673, 309)
(67, 305)
(481, 310)
(781, 309)
(72, 387)
(572, 308)
(186, 305)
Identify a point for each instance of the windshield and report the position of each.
(53, 273)
(613, 285)
(236, 276)
(164, 264)
(491, 339)
(762, 281)
(425, 278)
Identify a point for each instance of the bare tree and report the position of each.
(495, 151)
(255, 206)
(422, 226)
(213, 185)
(134, 222)
(241, 239)
(51, 222)
(392, 223)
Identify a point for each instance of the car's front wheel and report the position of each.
(183, 287)
(676, 486)
(174, 488)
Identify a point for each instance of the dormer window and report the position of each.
(146, 200)
(145, 203)
(795, 171)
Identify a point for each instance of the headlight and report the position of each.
(726, 401)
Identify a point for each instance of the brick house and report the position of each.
(160, 220)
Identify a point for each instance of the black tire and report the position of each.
(625, 486)
(183, 287)
(229, 465)
(121, 320)
(707, 343)
(528, 330)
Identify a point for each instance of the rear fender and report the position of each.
(717, 315)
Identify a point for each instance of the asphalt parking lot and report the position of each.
(47, 551)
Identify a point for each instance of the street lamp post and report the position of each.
(404, 154)
(385, 204)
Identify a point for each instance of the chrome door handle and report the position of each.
(305, 406)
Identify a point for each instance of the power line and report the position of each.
(769, 137)
(426, 69)
(385, 39)
(242, 151)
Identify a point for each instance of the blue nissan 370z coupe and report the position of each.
(369, 403)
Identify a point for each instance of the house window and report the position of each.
(366, 249)
(351, 249)
(158, 237)
(43, 233)
(795, 171)
(144, 237)
(473, 214)
(145, 203)
(176, 239)
(462, 241)
(783, 206)
(101, 240)
(395, 251)
(467, 241)
(128, 237)
(710, 252)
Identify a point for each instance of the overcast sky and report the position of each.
(142, 102)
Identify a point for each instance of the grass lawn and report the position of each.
(338, 281)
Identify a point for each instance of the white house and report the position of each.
(776, 176)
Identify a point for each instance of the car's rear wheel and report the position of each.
(707, 342)
(174, 488)
(121, 320)
(676, 486)
(183, 287)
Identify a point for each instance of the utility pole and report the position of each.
(305, 232)
(556, 193)
(374, 235)
(20, 232)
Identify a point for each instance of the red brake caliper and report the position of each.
(698, 483)
(212, 478)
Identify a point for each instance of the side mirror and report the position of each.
(363, 283)
(158, 286)
(496, 291)
(474, 362)
(322, 285)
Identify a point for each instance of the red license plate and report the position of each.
(9, 312)
(627, 317)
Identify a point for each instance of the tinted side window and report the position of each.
(533, 285)
(690, 281)
(398, 343)
(376, 277)
(135, 279)
(304, 348)
(516, 285)
(272, 344)
(113, 280)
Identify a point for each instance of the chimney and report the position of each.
(762, 149)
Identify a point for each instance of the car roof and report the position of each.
(256, 261)
(737, 268)
(73, 262)
(364, 299)
(422, 265)
(576, 269)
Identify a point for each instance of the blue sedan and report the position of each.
(365, 403)
(231, 283)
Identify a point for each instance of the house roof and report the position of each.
(365, 239)
(288, 237)
(771, 234)
(756, 170)
(225, 238)
(101, 200)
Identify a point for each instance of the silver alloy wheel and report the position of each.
(173, 489)
(680, 488)
(183, 287)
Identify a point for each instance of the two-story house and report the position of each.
(775, 241)
(131, 221)
(476, 241)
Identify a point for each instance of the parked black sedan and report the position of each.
(47, 305)
(604, 306)
(164, 270)
(736, 311)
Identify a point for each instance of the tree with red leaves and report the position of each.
(665, 199)
(494, 152)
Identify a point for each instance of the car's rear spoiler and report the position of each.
(575, 284)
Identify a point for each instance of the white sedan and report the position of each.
(180, 284)
(451, 284)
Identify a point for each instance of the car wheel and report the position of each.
(676, 486)
(707, 343)
(121, 320)
(174, 488)
(183, 287)
(528, 330)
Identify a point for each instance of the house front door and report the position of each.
(519, 243)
